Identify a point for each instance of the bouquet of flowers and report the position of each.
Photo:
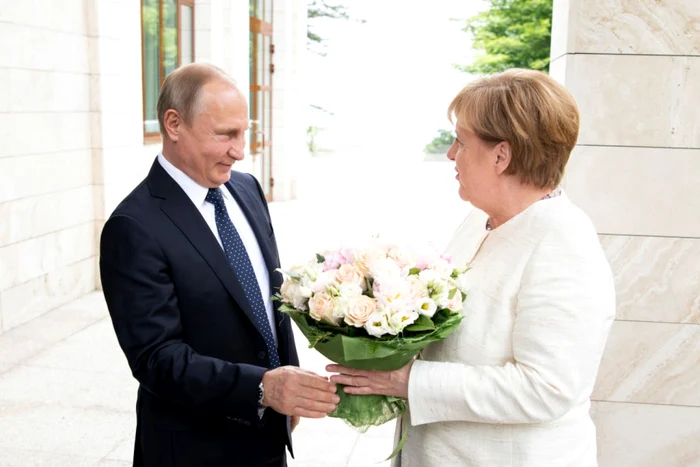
(373, 308)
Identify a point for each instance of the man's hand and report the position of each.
(294, 421)
(292, 391)
(386, 383)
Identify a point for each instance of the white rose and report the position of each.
(325, 280)
(377, 324)
(384, 269)
(288, 290)
(301, 298)
(349, 290)
(442, 267)
(456, 303)
(428, 276)
(403, 258)
(365, 257)
(400, 319)
(392, 292)
(295, 294)
(322, 307)
(418, 289)
(358, 310)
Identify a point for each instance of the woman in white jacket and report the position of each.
(512, 386)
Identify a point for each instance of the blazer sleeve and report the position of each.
(144, 309)
(565, 307)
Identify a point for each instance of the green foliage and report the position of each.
(511, 34)
(441, 143)
(320, 9)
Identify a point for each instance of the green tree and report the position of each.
(320, 9)
(440, 144)
(511, 34)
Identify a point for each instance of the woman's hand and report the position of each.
(362, 382)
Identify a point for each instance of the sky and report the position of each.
(388, 81)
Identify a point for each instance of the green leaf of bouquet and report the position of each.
(452, 294)
(369, 292)
(423, 323)
(285, 307)
(413, 271)
(320, 259)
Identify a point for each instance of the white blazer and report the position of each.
(511, 387)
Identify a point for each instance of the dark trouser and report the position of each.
(222, 446)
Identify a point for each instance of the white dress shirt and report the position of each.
(197, 193)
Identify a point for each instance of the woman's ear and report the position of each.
(503, 155)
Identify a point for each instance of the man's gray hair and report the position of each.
(181, 90)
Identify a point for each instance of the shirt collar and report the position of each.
(192, 189)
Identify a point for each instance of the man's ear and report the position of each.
(173, 124)
(503, 153)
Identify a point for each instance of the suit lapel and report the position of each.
(178, 207)
(258, 223)
(251, 206)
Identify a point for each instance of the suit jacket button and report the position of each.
(262, 355)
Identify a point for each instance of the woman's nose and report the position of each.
(451, 152)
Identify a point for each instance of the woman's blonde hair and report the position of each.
(529, 110)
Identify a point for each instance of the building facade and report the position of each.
(634, 68)
(78, 85)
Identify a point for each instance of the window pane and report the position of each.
(251, 57)
(259, 59)
(186, 30)
(151, 65)
(169, 35)
(265, 52)
(268, 11)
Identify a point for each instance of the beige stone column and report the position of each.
(634, 68)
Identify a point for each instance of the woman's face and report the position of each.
(475, 163)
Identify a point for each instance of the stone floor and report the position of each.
(67, 396)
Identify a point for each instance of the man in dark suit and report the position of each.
(188, 264)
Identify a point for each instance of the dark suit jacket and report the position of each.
(186, 328)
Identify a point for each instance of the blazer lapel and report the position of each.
(178, 207)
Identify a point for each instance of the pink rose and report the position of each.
(358, 310)
(322, 308)
(336, 258)
(350, 274)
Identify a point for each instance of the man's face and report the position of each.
(216, 138)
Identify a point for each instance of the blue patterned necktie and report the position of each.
(243, 268)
